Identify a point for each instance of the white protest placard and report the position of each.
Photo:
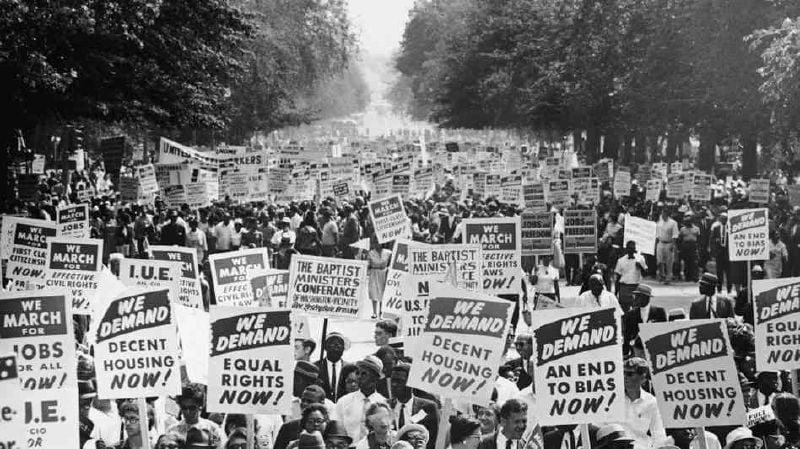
(760, 415)
(641, 231)
(37, 326)
(149, 273)
(653, 189)
(701, 187)
(397, 279)
(389, 219)
(28, 256)
(277, 282)
(231, 273)
(327, 286)
(251, 364)
(12, 404)
(577, 365)
(341, 189)
(190, 292)
(193, 330)
(136, 345)
(73, 221)
(580, 231)
(501, 249)
(622, 182)
(534, 197)
(537, 233)
(675, 186)
(559, 192)
(73, 266)
(693, 373)
(461, 344)
(776, 309)
(759, 191)
(456, 265)
(748, 234)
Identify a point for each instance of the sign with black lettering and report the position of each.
(73, 266)
(327, 286)
(190, 293)
(693, 373)
(748, 232)
(580, 231)
(537, 233)
(501, 244)
(389, 219)
(136, 346)
(577, 365)
(73, 221)
(776, 308)
(251, 366)
(28, 257)
(232, 273)
(12, 404)
(149, 273)
(37, 326)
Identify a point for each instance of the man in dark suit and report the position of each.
(290, 430)
(524, 346)
(642, 312)
(409, 408)
(335, 344)
(710, 305)
(513, 422)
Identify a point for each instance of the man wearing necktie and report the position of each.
(513, 422)
(410, 409)
(710, 305)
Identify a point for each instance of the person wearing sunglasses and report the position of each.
(191, 403)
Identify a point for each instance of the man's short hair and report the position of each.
(309, 344)
(387, 326)
(512, 406)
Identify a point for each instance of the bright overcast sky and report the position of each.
(380, 23)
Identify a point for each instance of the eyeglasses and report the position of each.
(317, 421)
(416, 437)
(130, 419)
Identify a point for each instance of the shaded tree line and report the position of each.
(638, 74)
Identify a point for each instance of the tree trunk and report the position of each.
(611, 145)
(749, 156)
(627, 149)
(592, 144)
(639, 147)
(577, 142)
(706, 154)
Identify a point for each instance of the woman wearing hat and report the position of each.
(416, 434)
(742, 438)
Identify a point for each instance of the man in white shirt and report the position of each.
(629, 274)
(666, 236)
(642, 419)
(409, 409)
(223, 232)
(351, 408)
(597, 295)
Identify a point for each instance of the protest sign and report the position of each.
(580, 231)
(558, 192)
(73, 221)
(128, 189)
(389, 219)
(251, 366)
(28, 256)
(193, 331)
(401, 184)
(537, 233)
(277, 286)
(148, 273)
(501, 244)
(456, 265)
(397, 279)
(190, 292)
(534, 197)
(511, 189)
(748, 234)
(653, 191)
(675, 186)
(759, 191)
(641, 231)
(461, 345)
(327, 286)
(341, 189)
(586, 190)
(231, 273)
(37, 327)
(760, 415)
(776, 309)
(577, 365)
(622, 182)
(701, 187)
(12, 403)
(73, 267)
(136, 345)
(693, 373)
